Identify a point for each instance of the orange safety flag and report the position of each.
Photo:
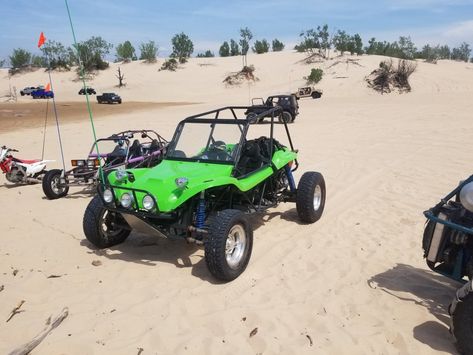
(48, 87)
(42, 39)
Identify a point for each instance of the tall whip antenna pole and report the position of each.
(55, 115)
(81, 71)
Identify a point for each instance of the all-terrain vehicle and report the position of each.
(42, 94)
(115, 151)
(109, 98)
(212, 176)
(288, 104)
(90, 91)
(309, 91)
(448, 248)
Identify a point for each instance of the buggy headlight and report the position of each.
(121, 175)
(466, 196)
(126, 200)
(148, 202)
(108, 195)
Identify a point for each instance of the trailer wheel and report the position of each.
(229, 244)
(461, 312)
(102, 227)
(310, 199)
(51, 187)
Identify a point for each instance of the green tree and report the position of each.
(234, 48)
(148, 50)
(245, 37)
(224, 50)
(407, 49)
(358, 44)
(2, 63)
(315, 41)
(20, 58)
(182, 47)
(125, 52)
(277, 45)
(38, 61)
(92, 54)
(462, 53)
(341, 41)
(207, 54)
(261, 47)
(57, 54)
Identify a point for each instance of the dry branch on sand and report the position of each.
(15, 310)
(388, 78)
(49, 327)
(246, 74)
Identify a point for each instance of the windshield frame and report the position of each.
(242, 125)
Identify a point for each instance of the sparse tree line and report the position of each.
(318, 41)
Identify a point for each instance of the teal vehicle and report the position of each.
(213, 175)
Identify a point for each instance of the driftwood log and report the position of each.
(49, 327)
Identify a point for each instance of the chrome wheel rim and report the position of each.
(317, 197)
(106, 227)
(54, 186)
(235, 246)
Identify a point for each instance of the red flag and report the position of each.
(48, 87)
(42, 39)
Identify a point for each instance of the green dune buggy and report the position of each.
(212, 176)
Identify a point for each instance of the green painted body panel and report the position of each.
(159, 181)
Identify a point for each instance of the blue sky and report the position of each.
(209, 22)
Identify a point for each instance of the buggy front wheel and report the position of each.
(310, 199)
(52, 187)
(229, 245)
(461, 312)
(102, 227)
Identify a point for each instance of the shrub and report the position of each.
(170, 64)
(387, 77)
(245, 74)
(261, 47)
(148, 51)
(20, 58)
(92, 53)
(207, 54)
(224, 50)
(234, 48)
(278, 46)
(315, 76)
(58, 55)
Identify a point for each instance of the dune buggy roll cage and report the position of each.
(214, 117)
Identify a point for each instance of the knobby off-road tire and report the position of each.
(286, 117)
(310, 199)
(99, 227)
(461, 311)
(50, 185)
(229, 244)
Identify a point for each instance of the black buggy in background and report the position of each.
(115, 151)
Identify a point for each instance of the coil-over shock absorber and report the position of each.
(200, 211)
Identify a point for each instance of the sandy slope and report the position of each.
(355, 282)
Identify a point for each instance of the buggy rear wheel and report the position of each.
(310, 199)
(102, 227)
(285, 117)
(229, 245)
(461, 312)
(52, 187)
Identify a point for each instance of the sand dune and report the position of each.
(353, 283)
